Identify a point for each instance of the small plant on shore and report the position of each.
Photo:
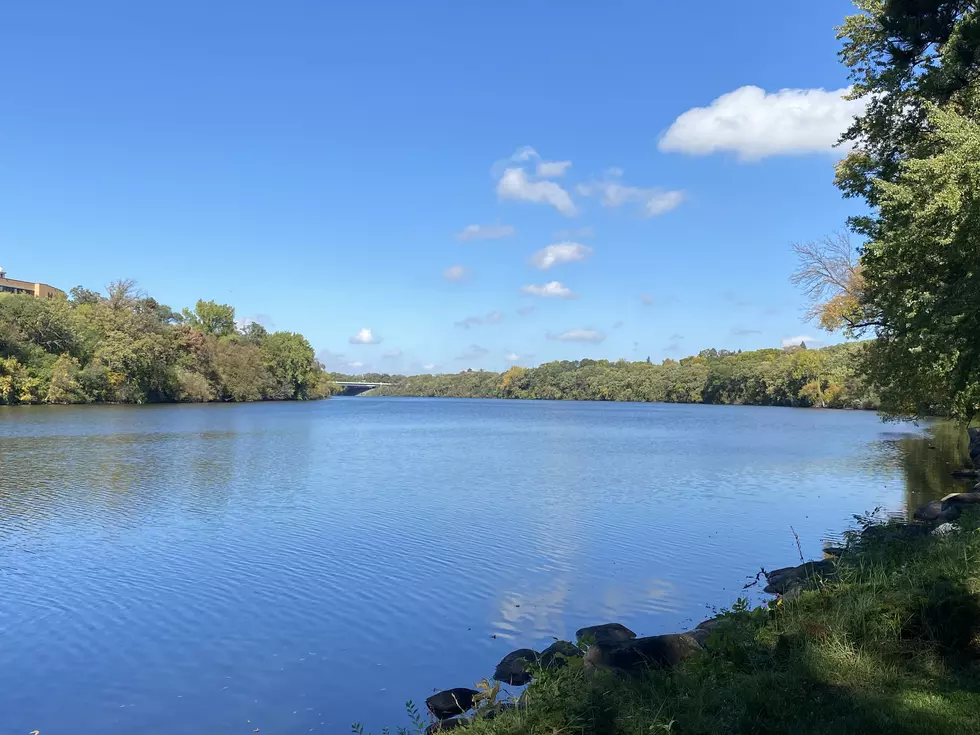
(417, 727)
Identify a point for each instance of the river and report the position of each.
(295, 567)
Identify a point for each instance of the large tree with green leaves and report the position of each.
(913, 158)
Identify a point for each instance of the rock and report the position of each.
(553, 657)
(950, 513)
(974, 446)
(637, 655)
(606, 633)
(792, 593)
(960, 499)
(781, 580)
(929, 511)
(446, 725)
(944, 529)
(966, 474)
(512, 668)
(704, 630)
(897, 531)
(451, 702)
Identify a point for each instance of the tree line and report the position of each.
(826, 378)
(126, 347)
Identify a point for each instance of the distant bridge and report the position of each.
(356, 387)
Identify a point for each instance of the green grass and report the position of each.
(891, 646)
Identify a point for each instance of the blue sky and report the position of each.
(315, 164)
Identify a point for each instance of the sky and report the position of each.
(432, 186)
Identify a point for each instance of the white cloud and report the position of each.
(356, 364)
(515, 185)
(392, 354)
(646, 299)
(512, 357)
(455, 273)
(484, 232)
(579, 335)
(263, 320)
(526, 310)
(552, 289)
(562, 252)
(676, 336)
(619, 324)
(576, 234)
(744, 332)
(552, 169)
(796, 341)
(652, 201)
(473, 352)
(524, 153)
(365, 337)
(430, 366)
(493, 317)
(754, 124)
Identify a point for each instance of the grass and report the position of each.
(890, 646)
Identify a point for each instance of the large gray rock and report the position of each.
(780, 581)
(641, 654)
(966, 474)
(555, 655)
(451, 702)
(974, 446)
(446, 725)
(605, 633)
(512, 668)
(961, 499)
(929, 512)
(704, 630)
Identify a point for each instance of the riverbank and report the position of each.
(883, 636)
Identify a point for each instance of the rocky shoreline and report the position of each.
(614, 647)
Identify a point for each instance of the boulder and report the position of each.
(896, 531)
(704, 630)
(960, 499)
(512, 668)
(780, 581)
(451, 702)
(446, 725)
(605, 633)
(640, 654)
(929, 511)
(966, 474)
(974, 446)
(555, 655)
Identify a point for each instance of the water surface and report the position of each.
(295, 567)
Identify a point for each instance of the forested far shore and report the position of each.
(826, 378)
(126, 347)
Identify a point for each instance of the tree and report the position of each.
(211, 318)
(831, 276)
(913, 159)
(254, 333)
(903, 55)
(923, 274)
(64, 386)
(291, 364)
(243, 373)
